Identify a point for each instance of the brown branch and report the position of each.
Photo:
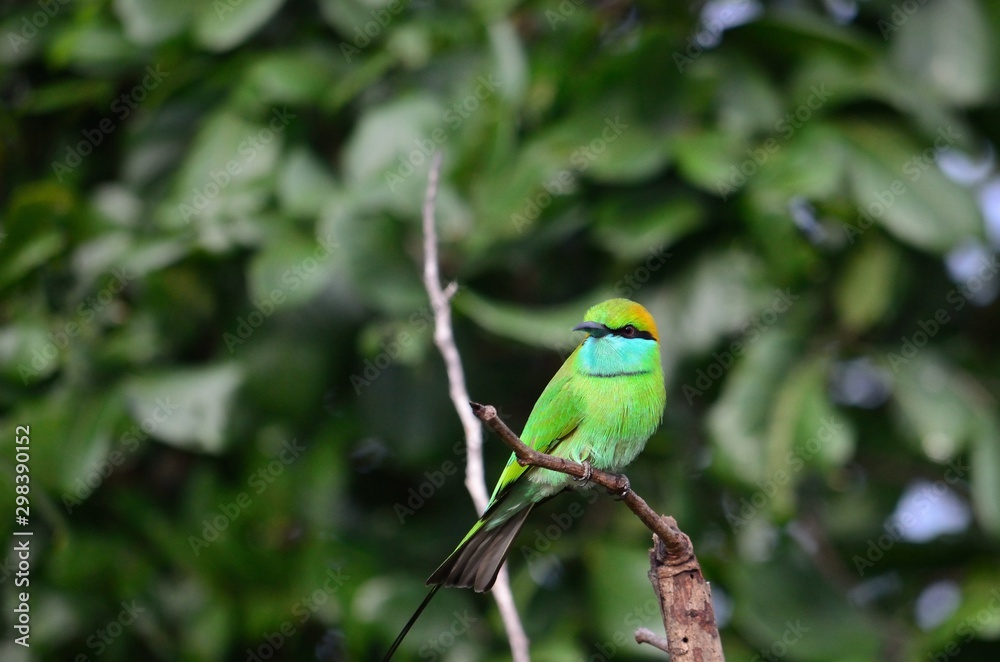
(475, 480)
(684, 595)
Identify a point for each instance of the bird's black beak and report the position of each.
(595, 329)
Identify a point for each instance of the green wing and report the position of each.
(477, 559)
(555, 416)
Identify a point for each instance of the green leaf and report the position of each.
(34, 231)
(93, 44)
(85, 422)
(57, 96)
(976, 616)
(291, 269)
(512, 64)
(187, 407)
(149, 22)
(622, 151)
(801, 34)
(985, 478)
(304, 184)
(749, 103)
(949, 47)
(933, 399)
(550, 327)
(222, 24)
(866, 287)
(604, 146)
(716, 297)
(396, 139)
(897, 184)
(623, 596)
(806, 162)
(709, 159)
(805, 430)
(31, 253)
(359, 20)
(23, 350)
(634, 227)
(228, 174)
(787, 606)
(738, 421)
(292, 77)
(512, 199)
(371, 260)
(151, 255)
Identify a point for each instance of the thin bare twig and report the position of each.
(475, 480)
(647, 636)
(685, 597)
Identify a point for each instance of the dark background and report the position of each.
(240, 432)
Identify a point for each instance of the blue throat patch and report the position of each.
(614, 356)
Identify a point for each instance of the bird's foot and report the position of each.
(625, 490)
(588, 471)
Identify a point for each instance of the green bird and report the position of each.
(600, 408)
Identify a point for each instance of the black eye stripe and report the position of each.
(636, 333)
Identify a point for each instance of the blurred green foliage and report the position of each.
(241, 443)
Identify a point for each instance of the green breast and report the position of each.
(622, 412)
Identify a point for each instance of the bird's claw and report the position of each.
(625, 490)
(588, 471)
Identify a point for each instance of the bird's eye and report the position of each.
(629, 331)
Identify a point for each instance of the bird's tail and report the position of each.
(477, 560)
(409, 624)
(475, 563)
